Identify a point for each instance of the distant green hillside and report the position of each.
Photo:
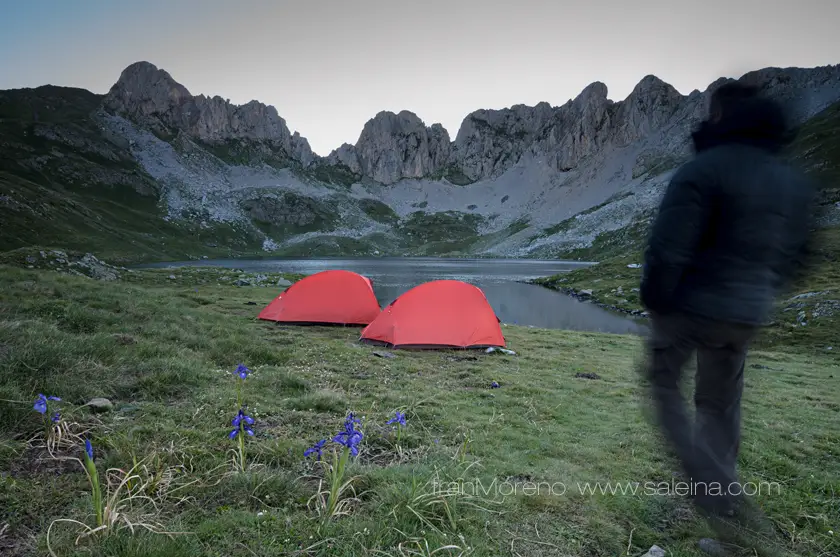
(817, 148)
(66, 183)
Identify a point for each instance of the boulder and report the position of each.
(100, 405)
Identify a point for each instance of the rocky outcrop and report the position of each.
(346, 156)
(396, 146)
(577, 130)
(151, 97)
(290, 212)
(647, 109)
(491, 141)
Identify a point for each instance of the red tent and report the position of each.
(328, 297)
(437, 314)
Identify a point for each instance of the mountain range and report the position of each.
(151, 171)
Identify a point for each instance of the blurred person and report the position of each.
(731, 233)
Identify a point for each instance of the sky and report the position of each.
(328, 66)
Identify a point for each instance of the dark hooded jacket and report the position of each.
(732, 226)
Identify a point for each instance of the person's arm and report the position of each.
(676, 231)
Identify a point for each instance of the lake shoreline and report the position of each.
(508, 284)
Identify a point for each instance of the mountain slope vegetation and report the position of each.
(151, 172)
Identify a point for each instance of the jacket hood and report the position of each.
(758, 122)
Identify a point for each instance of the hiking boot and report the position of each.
(753, 519)
(747, 532)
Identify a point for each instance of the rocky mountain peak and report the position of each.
(144, 90)
(397, 145)
(393, 146)
(491, 141)
(648, 107)
(593, 94)
(151, 97)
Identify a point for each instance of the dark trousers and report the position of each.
(708, 447)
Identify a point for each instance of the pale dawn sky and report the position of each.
(330, 65)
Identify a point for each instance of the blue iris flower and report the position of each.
(399, 418)
(316, 448)
(242, 371)
(56, 417)
(89, 449)
(41, 403)
(494, 385)
(350, 437)
(241, 422)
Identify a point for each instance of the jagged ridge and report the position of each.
(392, 146)
(169, 170)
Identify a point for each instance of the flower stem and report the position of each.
(337, 474)
(47, 428)
(242, 450)
(95, 489)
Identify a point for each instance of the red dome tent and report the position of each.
(328, 297)
(437, 314)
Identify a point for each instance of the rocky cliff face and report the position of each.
(396, 146)
(151, 97)
(655, 117)
(540, 178)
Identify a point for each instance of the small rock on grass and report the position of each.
(587, 376)
(384, 355)
(655, 551)
(100, 405)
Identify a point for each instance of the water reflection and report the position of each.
(513, 301)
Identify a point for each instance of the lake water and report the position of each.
(500, 279)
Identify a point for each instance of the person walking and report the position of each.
(731, 233)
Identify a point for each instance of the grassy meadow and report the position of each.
(569, 411)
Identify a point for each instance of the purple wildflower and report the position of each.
(316, 448)
(241, 422)
(242, 371)
(350, 437)
(399, 418)
(40, 405)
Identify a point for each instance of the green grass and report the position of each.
(817, 145)
(655, 164)
(337, 174)
(569, 223)
(454, 175)
(378, 211)
(285, 214)
(163, 353)
(249, 152)
(48, 103)
(119, 226)
(326, 245)
(611, 274)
